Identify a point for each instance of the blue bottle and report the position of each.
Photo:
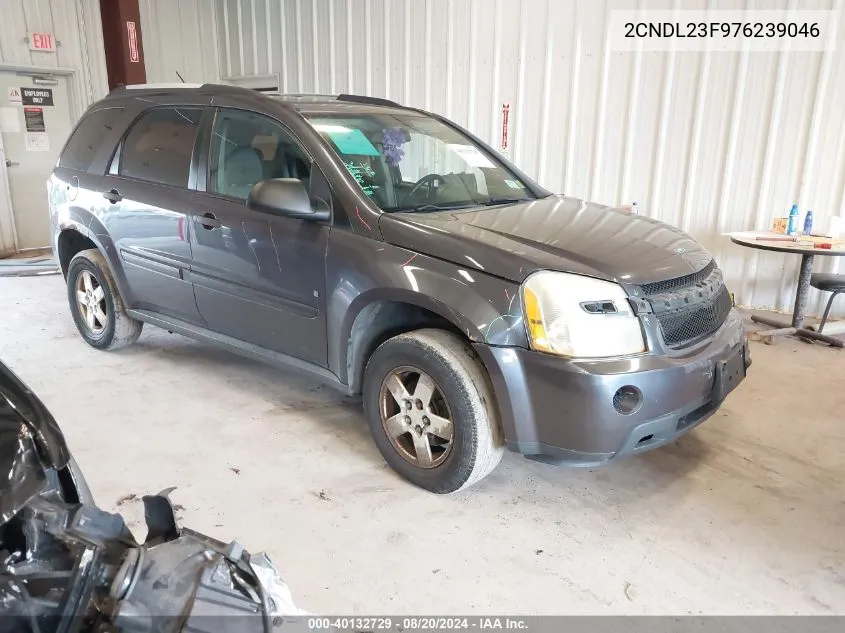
(792, 227)
(808, 222)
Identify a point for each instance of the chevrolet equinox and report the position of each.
(391, 253)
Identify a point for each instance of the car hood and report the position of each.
(553, 233)
(30, 441)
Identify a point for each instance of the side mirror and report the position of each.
(287, 197)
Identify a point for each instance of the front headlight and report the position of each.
(582, 317)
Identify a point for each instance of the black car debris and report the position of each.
(68, 566)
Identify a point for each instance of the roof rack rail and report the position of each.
(369, 100)
(162, 86)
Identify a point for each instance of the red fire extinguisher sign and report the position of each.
(505, 112)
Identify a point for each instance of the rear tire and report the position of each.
(96, 305)
(413, 385)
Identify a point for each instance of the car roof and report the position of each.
(305, 103)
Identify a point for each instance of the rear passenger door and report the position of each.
(148, 202)
(257, 277)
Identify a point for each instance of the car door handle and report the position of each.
(113, 196)
(209, 221)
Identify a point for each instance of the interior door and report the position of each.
(258, 278)
(35, 121)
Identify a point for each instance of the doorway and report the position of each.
(35, 121)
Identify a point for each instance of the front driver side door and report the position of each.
(258, 278)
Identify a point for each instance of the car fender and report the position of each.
(363, 272)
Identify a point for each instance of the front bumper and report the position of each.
(561, 411)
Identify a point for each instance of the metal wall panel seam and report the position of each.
(761, 212)
(255, 70)
(283, 46)
(546, 97)
(573, 103)
(624, 193)
(300, 70)
(662, 133)
(427, 57)
(497, 60)
(407, 75)
(315, 48)
(733, 139)
(268, 30)
(520, 100)
(598, 137)
(450, 51)
(349, 82)
(228, 38)
(473, 61)
(387, 55)
(332, 50)
(695, 145)
(241, 58)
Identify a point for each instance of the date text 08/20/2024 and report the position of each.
(415, 623)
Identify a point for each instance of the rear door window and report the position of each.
(159, 146)
(86, 139)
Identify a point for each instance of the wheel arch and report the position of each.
(376, 317)
(75, 237)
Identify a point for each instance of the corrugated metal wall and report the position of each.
(712, 142)
(179, 37)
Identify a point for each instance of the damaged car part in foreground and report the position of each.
(66, 565)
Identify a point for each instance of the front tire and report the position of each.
(96, 305)
(431, 412)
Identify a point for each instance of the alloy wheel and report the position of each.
(91, 300)
(416, 417)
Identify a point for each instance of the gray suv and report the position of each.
(391, 253)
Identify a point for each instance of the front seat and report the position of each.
(242, 170)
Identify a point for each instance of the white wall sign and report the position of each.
(37, 142)
(15, 95)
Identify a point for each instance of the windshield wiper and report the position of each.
(494, 201)
(436, 207)
(462, 205)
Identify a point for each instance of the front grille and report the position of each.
(667, 285)
(685, 327)
(690, 308)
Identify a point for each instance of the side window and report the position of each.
(87, 138)
(247, 148)
(159, 146)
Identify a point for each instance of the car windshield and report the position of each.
(413, 162)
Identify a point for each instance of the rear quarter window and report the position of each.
(88, 137)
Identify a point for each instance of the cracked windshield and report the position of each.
(409, 162)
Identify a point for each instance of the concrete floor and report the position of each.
(744, 515)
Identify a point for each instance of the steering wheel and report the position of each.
(426, 181)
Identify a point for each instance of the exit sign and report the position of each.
(42, 42)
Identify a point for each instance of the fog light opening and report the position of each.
(627, 399)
